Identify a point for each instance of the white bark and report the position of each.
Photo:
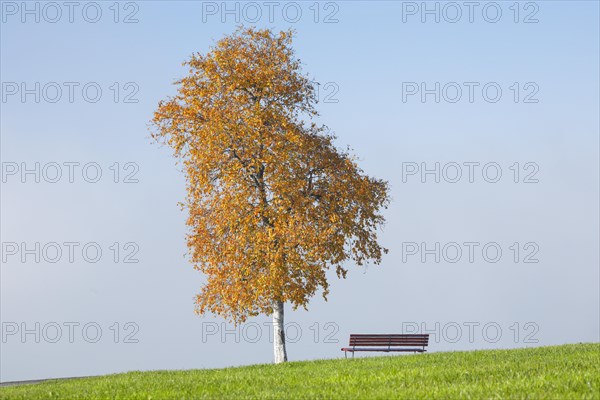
(278, 333)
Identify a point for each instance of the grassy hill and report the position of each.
(558, 372)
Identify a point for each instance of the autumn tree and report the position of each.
(272, 202)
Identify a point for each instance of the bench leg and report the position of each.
(346, 354)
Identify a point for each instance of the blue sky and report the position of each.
(367, 57)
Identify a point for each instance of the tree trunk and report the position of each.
(278, 333)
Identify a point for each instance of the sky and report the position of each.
(482, 116)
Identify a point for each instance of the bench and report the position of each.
(414, 343)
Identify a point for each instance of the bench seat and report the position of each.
(385, 349)
(387, 343)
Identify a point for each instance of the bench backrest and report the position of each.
(389, 340)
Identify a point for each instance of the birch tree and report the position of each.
(272, 202)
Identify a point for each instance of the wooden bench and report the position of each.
(414, 343)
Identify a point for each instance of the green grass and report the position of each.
(558, 372)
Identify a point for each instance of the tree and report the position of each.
(272, 202)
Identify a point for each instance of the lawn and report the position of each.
(557, 372)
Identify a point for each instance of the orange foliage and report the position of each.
(272, 202)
